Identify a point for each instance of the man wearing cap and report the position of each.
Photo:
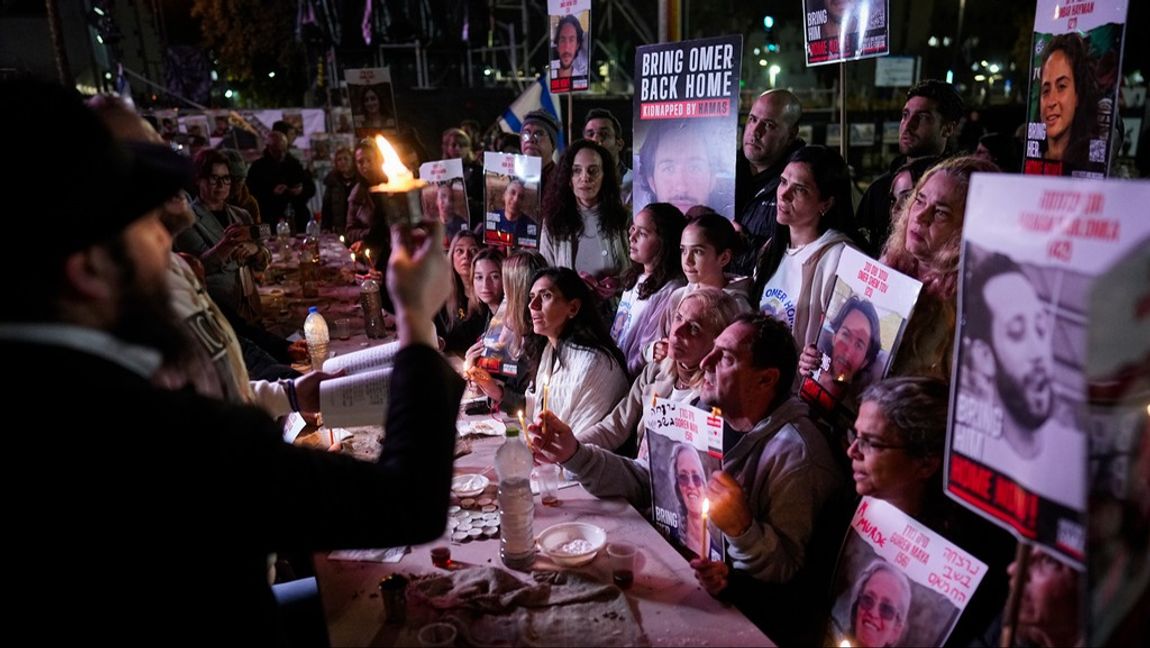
(87, 328)
(929, 117)
(539, 136)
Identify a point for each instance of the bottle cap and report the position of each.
(313, 309)
(512, 431)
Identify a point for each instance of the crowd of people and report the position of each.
(611, 311)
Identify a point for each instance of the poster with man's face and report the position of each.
(444, 197)
(512, 184)
(1033, 249)
(845, 30)
(897, 582)
(861, 330)
(570, 29)
(686, 117)
(1074, 79)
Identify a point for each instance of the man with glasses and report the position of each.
(778, 478)
(539, 136)
(221, 239)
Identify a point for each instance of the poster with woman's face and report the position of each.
(897, 582)
(1075, 74)
(372, 102)
(861, 330)
(570, 29)
(444, 196)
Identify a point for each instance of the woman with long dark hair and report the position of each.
(571, 354)
(584, 220)
(795, 274)
(654, 275)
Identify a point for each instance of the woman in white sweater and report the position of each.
(584, 220)
(795, 274)
(574, 360)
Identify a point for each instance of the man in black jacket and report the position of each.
(167, 503)
(929, 117)
(279, 181)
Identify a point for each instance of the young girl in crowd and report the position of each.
(795, 274)
(496, 363)
(584, 220)
(576, 365)
(707, 246)
(654, 274)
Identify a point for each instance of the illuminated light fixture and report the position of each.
(763, 62)
(932, 41)
(271, 75)
(980, 77)
(228, 94)
(994, 68)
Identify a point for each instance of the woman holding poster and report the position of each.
(796, 269)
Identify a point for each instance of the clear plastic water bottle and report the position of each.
(312, 228)
(372, 303)
(289, 214)
(517, 507)
(283, 235)
(315, 330)
(308, 272)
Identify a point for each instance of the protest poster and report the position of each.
(1035, 249)
(862, 327)
(501, 347)
(684, 446)
(1075, 72)
(897, 582)
(686, 116)
(1118, 387)
(845, 30)
(570, 29)
(512, 185)
(196, 127)
(443, 196)
(372, 101)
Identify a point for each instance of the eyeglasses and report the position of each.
(533, 136)
(866, 445)
(220, 179)
(886, 611)
(690, 478)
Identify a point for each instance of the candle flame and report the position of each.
(367, 253)
(341, 239)
(706, 506)
(845, 644)
(398, 176)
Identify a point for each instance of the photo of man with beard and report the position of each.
(1009, 364)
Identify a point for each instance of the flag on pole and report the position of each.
(536, 97)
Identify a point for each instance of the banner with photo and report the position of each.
(846, 30)
(1035, 251)
(443, 196)
(513, 200)
(501, 347)
(686, 116)
(1075, 73)
(570, 29)
(861, 329)
(898, 583)
(684, 446)
(372, 100)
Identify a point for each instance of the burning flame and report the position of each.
(845, 644)
(706, 506)
(398, 176)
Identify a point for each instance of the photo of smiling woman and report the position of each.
(1068, 100)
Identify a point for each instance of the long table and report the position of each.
(672, 608)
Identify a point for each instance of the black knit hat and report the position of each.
(546, 121)
(67, 178)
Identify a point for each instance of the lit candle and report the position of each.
(845, 644)
(543, 407)
(399, 177)
(353, 258)
(703, 553)
(367, 253)
(341, 240)
(522, 422)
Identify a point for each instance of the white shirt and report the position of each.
(781, 292)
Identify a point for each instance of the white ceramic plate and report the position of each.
(469, 485)
(481, 427)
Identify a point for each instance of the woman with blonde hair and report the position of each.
(925, 243)
(505, 336)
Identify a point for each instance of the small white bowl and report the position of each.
(469, 485)
(556, 542)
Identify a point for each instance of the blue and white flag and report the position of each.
(537, 96)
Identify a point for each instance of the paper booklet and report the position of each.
(360, 397)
